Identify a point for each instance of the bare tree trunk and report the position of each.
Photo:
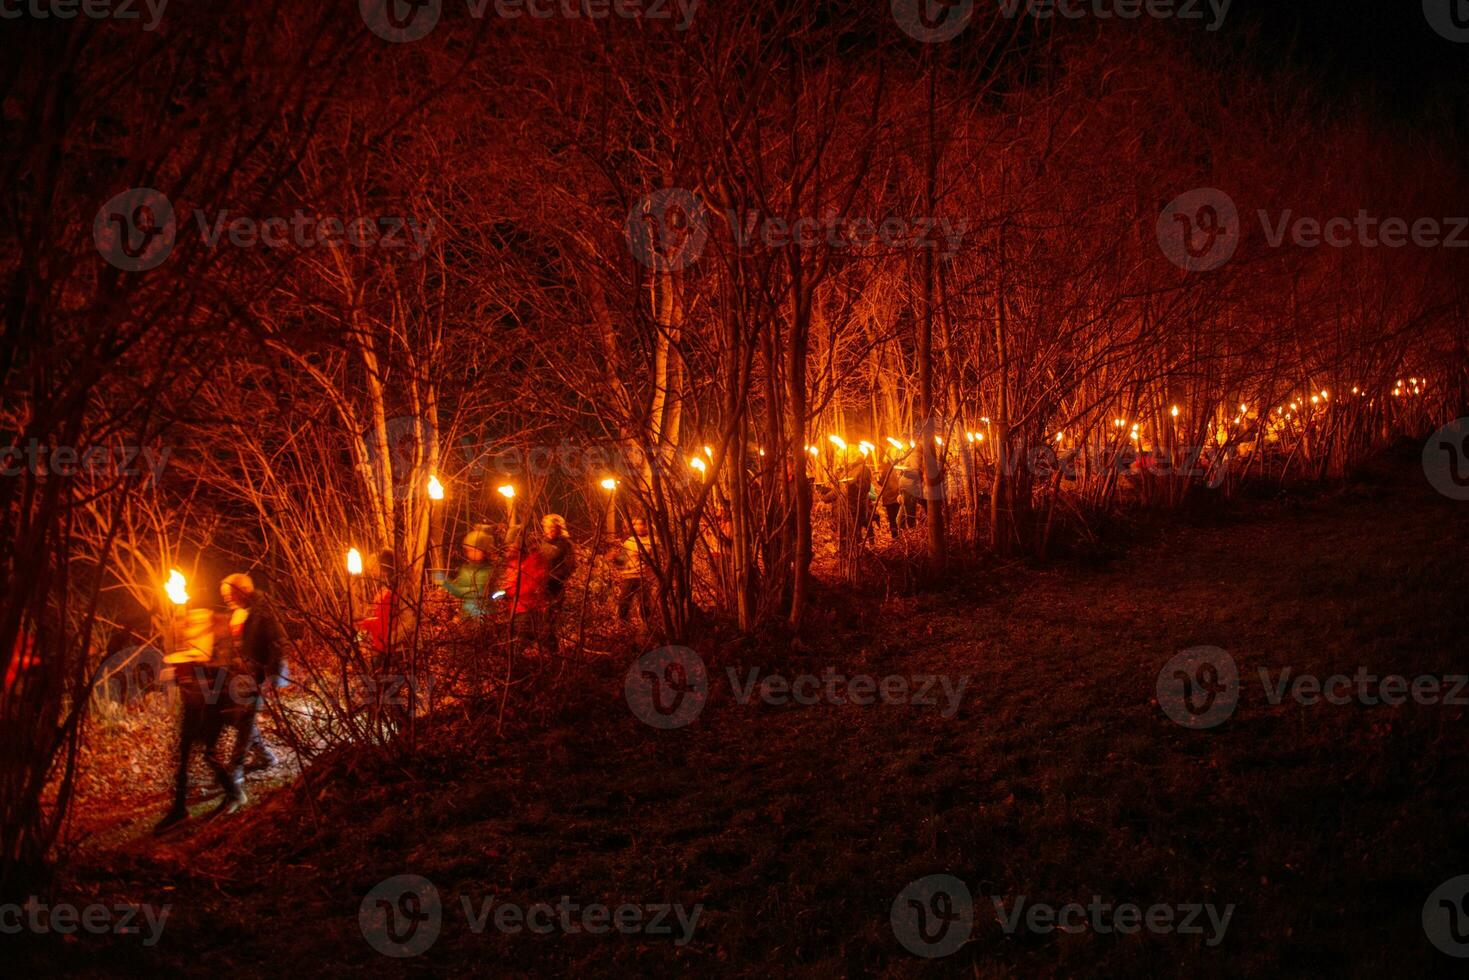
(933, 470)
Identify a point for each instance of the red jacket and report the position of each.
(380, 623)
(524, 581)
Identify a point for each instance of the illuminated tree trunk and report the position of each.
(933, 470)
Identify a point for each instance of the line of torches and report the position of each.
(176, 586)
(1414, 386)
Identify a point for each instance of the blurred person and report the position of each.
(629, 563)
(214, 700)
(258, 655)
(388, 619)
(525, 586)
(471, 581)
(560, 557)
(889, 493)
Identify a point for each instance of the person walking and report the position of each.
(524, 584)
(629, 561)
(213, 699)
(256, 641)
(560, 556)
(889, 492)
(471, 582)
(389, 618)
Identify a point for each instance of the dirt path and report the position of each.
(1058, 779)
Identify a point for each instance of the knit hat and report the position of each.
(480, 537)
(239, 582)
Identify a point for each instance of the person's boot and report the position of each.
(261, 758)
(234, 795)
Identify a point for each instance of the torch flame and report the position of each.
(507, 491)
(176, 588)
(435, 488)
(354, 561)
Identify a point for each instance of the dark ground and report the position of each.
(796, 827)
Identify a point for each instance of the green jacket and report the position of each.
(471, 585)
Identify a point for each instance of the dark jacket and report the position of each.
(560, 561)
(262, 654)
